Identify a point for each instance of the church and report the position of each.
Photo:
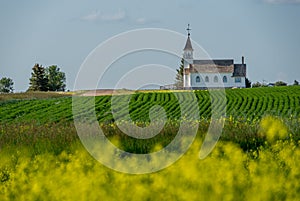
(216, 73)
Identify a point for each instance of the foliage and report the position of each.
(256, 157)
(47, 79)
(257, 84)
(273, 128)
(47, 162)
(296, 83)
(179, 75)
(33, 95)
(6, 85)
(241, 103)
(248, 83)
(56, 78)
(41, 138)
(280, 83)
(38, 80)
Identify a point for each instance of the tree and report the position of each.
(56, 79)
(179, 75)
(38, 80)
(257, 84)
(296, 83)
(280, 83)
(6, 85)
(248, 83)
(47, 79)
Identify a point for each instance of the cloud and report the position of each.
(98, 16)
(120, 15)
(91, 17)
(144, 21)
(282, 1)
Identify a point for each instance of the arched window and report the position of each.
(197, 79)
(206, 79)
(224, 79)
(216, 79)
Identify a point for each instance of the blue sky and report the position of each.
(266, 32)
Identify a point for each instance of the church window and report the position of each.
(206, 79)
(197, 79)
(215, 79)
(224, 79)
(238, 80)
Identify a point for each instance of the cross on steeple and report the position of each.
(188, 29)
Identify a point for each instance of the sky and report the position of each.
(65, 32)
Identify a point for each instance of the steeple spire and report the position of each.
(188, 44)
(188, 29)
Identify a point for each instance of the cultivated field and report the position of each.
(241, 103)
(256, 158)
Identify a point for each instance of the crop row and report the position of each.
(246, 103)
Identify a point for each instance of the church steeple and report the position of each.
(188, 49)
(188, 59)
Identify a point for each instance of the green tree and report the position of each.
(248, 83)
(38, 80)
(257, 84)
(6, 85)
(56, 78)
(179, 75)
(280, 83)
(296, 83)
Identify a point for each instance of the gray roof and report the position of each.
(218, 66)
(239, 70)
(188, 44)
(218, 62)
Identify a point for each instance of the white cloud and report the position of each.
(98, 16)
(282, 1)
(143, 21)
(92, 16)
(120, 15)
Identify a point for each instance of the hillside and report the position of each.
(241, 103)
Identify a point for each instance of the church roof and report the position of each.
(239, 70)
(217, 62)
(218, 66)
(198, 68)
(188, 44)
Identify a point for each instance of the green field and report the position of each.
(241, 103)
(256, 158)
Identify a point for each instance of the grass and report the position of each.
(33, 95)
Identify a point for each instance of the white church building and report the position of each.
(216, 73)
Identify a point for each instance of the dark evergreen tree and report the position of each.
(179, 75)
(38, 80)
(248, 83)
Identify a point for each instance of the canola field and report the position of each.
(256, 158)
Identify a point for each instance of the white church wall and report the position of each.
(186, 81)
(219, 84)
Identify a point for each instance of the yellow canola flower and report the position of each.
(157, 147)
(273, 128)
